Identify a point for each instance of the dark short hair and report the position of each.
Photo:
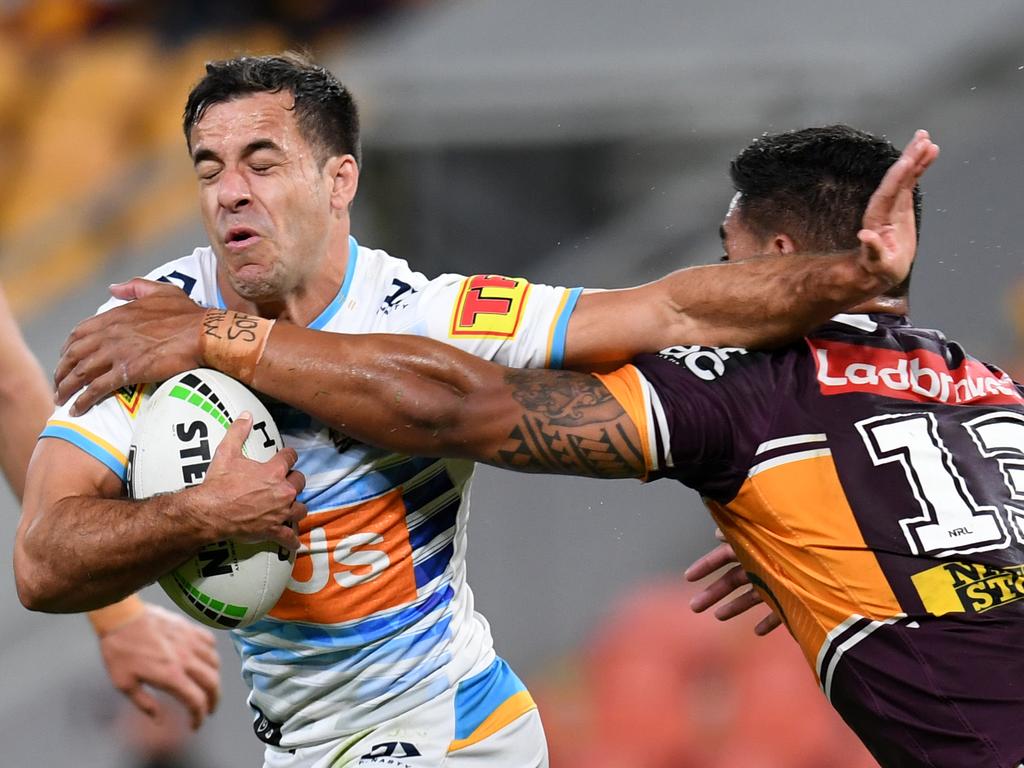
(813, 184)
(324, 109)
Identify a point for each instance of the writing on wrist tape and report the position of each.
(233, 342)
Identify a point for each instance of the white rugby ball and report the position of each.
(228, 584)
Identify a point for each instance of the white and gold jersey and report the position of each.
(377, 618)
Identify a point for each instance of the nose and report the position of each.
(233, 192)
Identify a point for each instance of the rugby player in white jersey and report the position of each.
(374, 654)
(143, 646)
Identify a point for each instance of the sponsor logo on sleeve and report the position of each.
(915, 374)
(707, 363)
(183, 281)
(397, 298)
(489, 306)
(968, 587)
(130, 398)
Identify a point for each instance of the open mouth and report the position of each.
(239, 237)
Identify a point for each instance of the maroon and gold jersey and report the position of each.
(871, 481)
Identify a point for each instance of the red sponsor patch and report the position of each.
(489, 306)
(916, 374)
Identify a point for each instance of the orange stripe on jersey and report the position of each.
(626, 386)
(796, 514)
(354, 562)
(511, 709)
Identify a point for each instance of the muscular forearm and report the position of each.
(756, 303)
(403, 393)
(86, 552)
(766, 301)
(418, 396)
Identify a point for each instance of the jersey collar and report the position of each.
(331, 309)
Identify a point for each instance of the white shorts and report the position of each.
(486, 721)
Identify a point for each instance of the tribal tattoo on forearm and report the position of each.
(569, 424)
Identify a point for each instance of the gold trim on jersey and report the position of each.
(792, 527)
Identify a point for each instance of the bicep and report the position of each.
(59, 470)
(609, 328)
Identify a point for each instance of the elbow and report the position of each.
(33, 590)
(39, 586)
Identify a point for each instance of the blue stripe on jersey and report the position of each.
(97, 452)
(332, 309)
(352, 491)
(363, 632)
(391, 651)
(425, 492)
(441, 520)
(374, 687)
(561, 327)
(478, 696)
(433, 566)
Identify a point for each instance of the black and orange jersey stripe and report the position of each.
(871, 480)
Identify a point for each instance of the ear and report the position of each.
(781, 243)
(343, 175)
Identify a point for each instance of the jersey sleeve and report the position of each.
(700, 412)
(505, 319)
(105, 431)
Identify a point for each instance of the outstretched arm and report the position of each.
(759, 302)
(405, 393)
(417, 396)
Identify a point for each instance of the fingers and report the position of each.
(144, 701)
(78, 356)
(296, 513)
(719, 589)
(100, 387)
(189, 693)
(289, 456)
(871, 240)
(297, 480)
(139, 288)
(904, 173)
(285, 536)
(196, 650)
(207, 677)
(236, 435)
(769, 623)
(717, 558)
(741, 604)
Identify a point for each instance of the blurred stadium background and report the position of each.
(569, 141)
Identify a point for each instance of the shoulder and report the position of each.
(195, 274)
(721, 365)
(704, 363)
